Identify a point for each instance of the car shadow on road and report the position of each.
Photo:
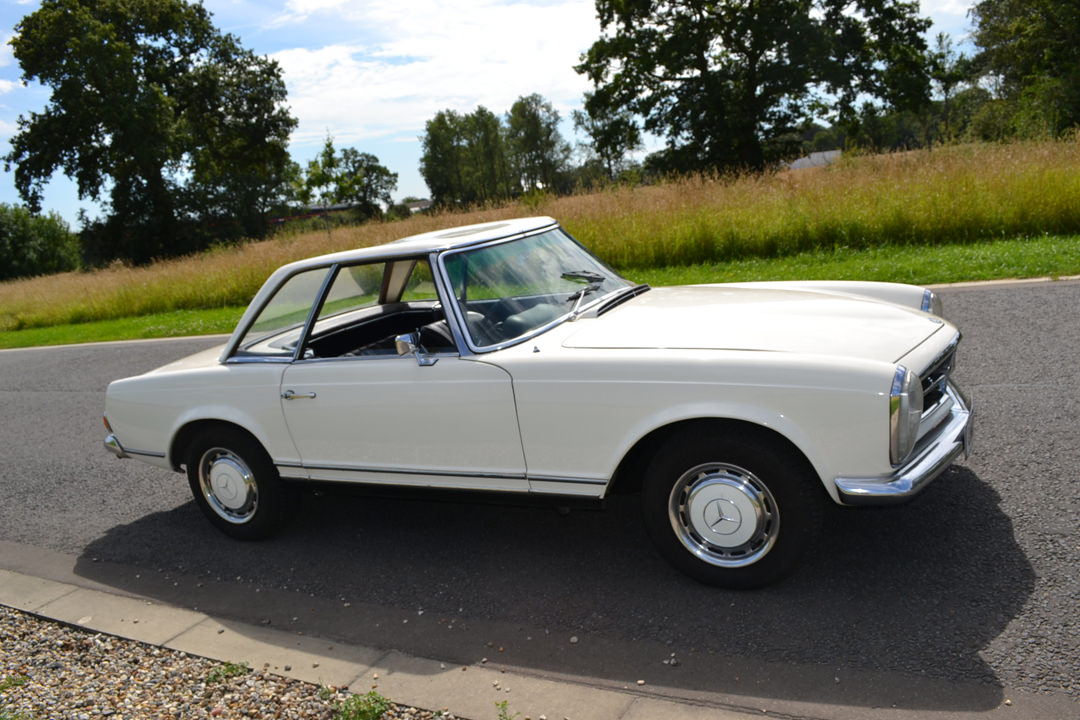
(891, 608)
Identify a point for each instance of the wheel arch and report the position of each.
(183, 437)
(630, 472)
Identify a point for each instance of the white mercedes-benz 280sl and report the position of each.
(504, 357)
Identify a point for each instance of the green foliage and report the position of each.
(183, 129)
(614, 135)
(504, 711)
(1031, 49)
(227, 670)
(541, 157)
(34, 244)
(723, 80)
(362, 707)
(476, 159)
(350, 178)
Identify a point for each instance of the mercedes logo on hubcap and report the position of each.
(722, 516)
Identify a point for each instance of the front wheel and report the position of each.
(732, 509)
(236, 485)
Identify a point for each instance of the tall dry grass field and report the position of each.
(960, 194)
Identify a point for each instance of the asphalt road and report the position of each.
(950, 602)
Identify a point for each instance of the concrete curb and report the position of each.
(468, 691)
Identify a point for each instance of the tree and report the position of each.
(721, 79)
(33, 244)
(364, 183)
(1031, 48)
(350, 178)
(180, 127)
(486, 173)
(947, 70)
(466, 159)
(538, 151)
(614, 134)
(442, 159)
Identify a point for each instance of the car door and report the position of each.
(390, 420)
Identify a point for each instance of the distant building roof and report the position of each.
(818, 159)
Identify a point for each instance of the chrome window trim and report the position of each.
(233, 345)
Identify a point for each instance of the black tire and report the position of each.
(731, 509)
(236, 485)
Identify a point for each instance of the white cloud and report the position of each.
(7, 55)
(436, 56)
(939, 8)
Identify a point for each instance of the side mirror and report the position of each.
(409, 344)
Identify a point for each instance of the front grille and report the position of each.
(935, 378)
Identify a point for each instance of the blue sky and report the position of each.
(372, 72)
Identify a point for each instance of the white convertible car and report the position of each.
(505, 357)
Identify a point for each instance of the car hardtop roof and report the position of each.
(436, 241)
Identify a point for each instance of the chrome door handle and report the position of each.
(291, 395)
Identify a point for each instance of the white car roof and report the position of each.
(430, 242)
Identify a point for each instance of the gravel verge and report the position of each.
(50, 670)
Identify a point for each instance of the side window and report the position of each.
(421, 284)
(276, 330)
(354, 288)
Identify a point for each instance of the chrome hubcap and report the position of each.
(724, 515)
(228, 485)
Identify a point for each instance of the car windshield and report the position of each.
(510, 290)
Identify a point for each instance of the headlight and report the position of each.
(905, 412)
(931, 303)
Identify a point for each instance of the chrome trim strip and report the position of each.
(400, 471)
(949, 349)
(951, 439)
(112, 444)
(568, 480)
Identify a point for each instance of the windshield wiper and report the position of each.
(580, 295)
(586, 275)
(595, 280)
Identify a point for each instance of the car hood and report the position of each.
(770, 320)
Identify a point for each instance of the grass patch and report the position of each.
(179, 323)
(227, 670)
(362, 707)
(998, 260)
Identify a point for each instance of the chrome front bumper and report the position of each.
(113, 445)
(933, 454)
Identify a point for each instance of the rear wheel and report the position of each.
(236, 485)
(732, 509)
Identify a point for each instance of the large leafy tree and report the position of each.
(1031, 48)
(179, 131)
(443, 158)
(466, 159)
(724, 80)
(539, 152)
